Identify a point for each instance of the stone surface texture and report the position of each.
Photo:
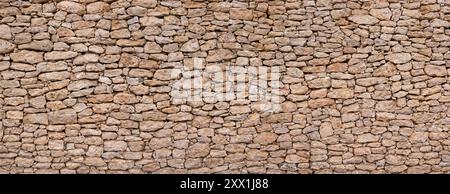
(85, 86)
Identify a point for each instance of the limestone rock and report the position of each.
(363, 19)
(65, 116)
(198, 150)
(25, 56)
(399, 58)
(71, 7)
(6, 47)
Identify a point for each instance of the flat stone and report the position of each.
(381, 14)
(65, 116)
(190, 46)
(364, 19)
(198, 150)
(71, 7)
(399, 58)
(6, 47)
(435, 70)
(151, 125)
(42, 45)
(59, 55)
(343, 93)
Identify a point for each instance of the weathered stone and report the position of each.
(97, 7)
(25, 56)
(399, 58)
(419, 137)
(59, 55)
(198, 150)
(363, 19)
(220, 55)
(71, 7)
(6, 47)
(241, 14)
(256, 155)
(115, 146)
(320, 83)
(145, 3)
(151, 21)
(65, 116)
(151, 125)
(367, 138)
(265, 138)
(42, 45)
(81, 84)
(5, 32)
(321, 102)
(386, 70)
(39, 118)
(125, 98)
(190, 46)
(435, 70)
(326, 130)
(181, 116)
(341, 93)
(382, 14)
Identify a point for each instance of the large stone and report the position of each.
(367, 138)
(382, 14)
(151, 21)
(386, 70)
(145, 3)
(241, 14)
(265, 138)
(84, 59)
(256, 155)
(41, 45)
(190, 46)
(54, 76)
(125, 98)
(152, 47)
(5, 32)
(52, 66)
(39, 118)
(370, 81)
(419, 137)
(321, 102)
(59, 55)
(25, 56)
(279, 118)
(181, 116)
(220, 55)
(326, 130)
(435, 70)
(198, 150)
(167, 74)
(115, 146)
(97, 7)
(364, 19)
(6, 47)
(71, 7)
(119, 164)
(343, 93)
(151, 125)
(399, 58)
(81, 84)
(239, 109)
(320, 83)
(65, 116)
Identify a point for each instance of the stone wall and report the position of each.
(85, 86)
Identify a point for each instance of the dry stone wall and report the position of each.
(363, 86)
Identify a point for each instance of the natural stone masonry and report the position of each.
(85, 86)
